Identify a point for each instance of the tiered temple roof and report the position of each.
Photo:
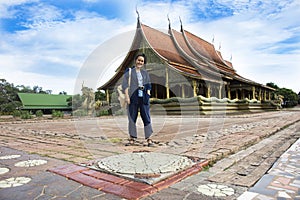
(185, 53)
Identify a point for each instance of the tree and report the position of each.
(8, 97)
(63, 93)
(75, 101)
(272, 85)
(24, 89)
(37, 89)
(100, 95)
(290, 97)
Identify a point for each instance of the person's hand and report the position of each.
(127, 99)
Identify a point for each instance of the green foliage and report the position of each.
(39, 113)
(102, 113)
(114, 97)
(8, 97)
(75, 101)
(100, 95)
(16, 113)
(120, 112)
(25, 114)
(79, 113)
(272, 85)
(57, 114)
(290, 97)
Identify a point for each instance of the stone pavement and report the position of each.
(282, 181)
(239, 148)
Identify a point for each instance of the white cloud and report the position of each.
(256, 43)
(252, 35)
(46, 82)
(50, 47)
(5, 5)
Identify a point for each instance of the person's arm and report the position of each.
(148, 84)
(127, 98)
(125, 86)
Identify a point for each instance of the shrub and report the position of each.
(17, 113)
(39, 113)
(103, 113)
(57, 114)
(26, 115)
(79, 113)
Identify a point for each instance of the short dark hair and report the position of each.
(143, 55)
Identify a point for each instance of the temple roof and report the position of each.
(44, 101)
(184, 52)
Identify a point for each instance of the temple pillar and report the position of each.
(220, 91)
(265, 95)
(253, 92)
(182, 91)
(208, 90)
(156, 88)
(167, 84)
(228, 91)
(259, 95)
(107, 95)
(236, 94)
(195, 88)
(242, 94)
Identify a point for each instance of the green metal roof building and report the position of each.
(33, 101)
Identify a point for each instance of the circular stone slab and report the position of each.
(148, 163)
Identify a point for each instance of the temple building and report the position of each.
(184, 65)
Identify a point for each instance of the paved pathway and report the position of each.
(282, 181)
(241, 147)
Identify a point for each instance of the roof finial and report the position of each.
(213, 39)
(138, 18)
(169, 21)
(181, 28)
(219, 46)
(137, 12)
(231, 58)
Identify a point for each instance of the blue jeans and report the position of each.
(133, 110)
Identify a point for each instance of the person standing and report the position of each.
(137, 96)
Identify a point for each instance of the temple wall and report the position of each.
(209, 106)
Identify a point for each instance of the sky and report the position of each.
(50, 43)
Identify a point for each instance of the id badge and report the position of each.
(140, 93)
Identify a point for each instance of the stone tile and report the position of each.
(261, 186)
(123, 191)
(287, 187)
(105, 177)
(67, 169)
(247, 196)
(173, 194)
(88, 181)
(139, 186)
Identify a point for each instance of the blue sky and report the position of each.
(48, 42)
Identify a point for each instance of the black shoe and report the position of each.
(150, 143)
(131, 142)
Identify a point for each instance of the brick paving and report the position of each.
(240, 149)
(122, 187)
